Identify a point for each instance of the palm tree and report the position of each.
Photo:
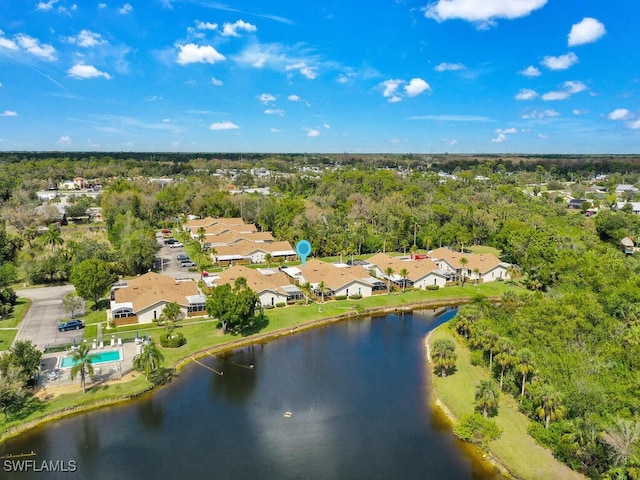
(306, 290)
(388, 272)
(404, 273)
(82, 364)
(487, 396)
(550, 406)
(52, 237)
(505, 357)
(623, 438)
(443, 355)
(149, 359)
(267, 258)
(170, 314)
(489, 340)
(322, 288)
(476, 273)
(201, 234)
(524, 365)
(464, 261)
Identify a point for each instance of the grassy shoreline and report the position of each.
(515, 453)
(203, 340)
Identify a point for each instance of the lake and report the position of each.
(344, 401)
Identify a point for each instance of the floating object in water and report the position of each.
(287, 414)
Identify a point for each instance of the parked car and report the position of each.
(170, 241)
(176, 245)
(187, 263)
(70, 325)
(182, 257)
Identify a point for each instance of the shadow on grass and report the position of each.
(256, 324)
(30, 406)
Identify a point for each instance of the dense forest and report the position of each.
(579, 323)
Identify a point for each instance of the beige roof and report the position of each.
(245, 247)
(482, 261)
(210, 221)
(256, 281)
(231, 237)
(316, 271)
(416, 269)
(151, 288)
(220, 229)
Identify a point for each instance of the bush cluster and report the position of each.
(172, 340)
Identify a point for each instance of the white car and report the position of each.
(176, 245)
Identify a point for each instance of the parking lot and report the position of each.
(167, 263)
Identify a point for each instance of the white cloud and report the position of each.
(206, 25)
(216, 82)
(390, 87)
(483, 12)
(312, 132)
(540, 114)
(192, 53)
(231, 29)
(619, 114)
(569, 88)
(82, 71)
(416, 86)
(451, 118)
(395, 99)
(274, 111)
(64, 140)
(166, 120)
(44, 6)
(588, 30)
(102, 6)
(526, 94)
(635, 125)
(8, 113)
(580, 112)
(326, 125)
(87, 38)
(500, 138)
(126, 9)
(449, 67)
(294, 98)
(223, 126)
(304, 69)
(502, 134)
(267, 98)
(530, 71)
(561, 62)
(34, 47)
(6, 43)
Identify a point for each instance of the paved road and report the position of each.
(40, 324)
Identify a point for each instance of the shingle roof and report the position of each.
(151, 288)
(258, 282)
(482, 261)
(316, 271)
(417, 269)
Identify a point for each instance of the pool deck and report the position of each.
(52, 375)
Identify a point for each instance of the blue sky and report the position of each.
(396, 76)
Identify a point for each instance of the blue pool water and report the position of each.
(102, 357)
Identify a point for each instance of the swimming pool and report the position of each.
(102, 357)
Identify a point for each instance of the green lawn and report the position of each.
(515, 449)
(12, 321)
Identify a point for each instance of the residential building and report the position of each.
(481, 267)
(421, 273)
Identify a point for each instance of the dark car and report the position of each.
(182, 257)
(170, 241)
(70, 325)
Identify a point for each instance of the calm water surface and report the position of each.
(357, 392)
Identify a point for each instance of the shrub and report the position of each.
(268, 307)
(477, 358)
(432, 287)
(301, 302)
(280, 304)
(340, 297)
(475, 428)
(172, 340)
(355, 297)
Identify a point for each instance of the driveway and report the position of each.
(40, 324)
(167, 264)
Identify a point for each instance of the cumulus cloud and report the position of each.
(635, 125)
(231, 29)
(64, 140)
(312, 132)
(82, 71)
(568, 88)
(34, 47)
(267, 98)
(206, 25)
(44, 6)
(390, 87)
(561, 62)
(526, 94)
(619, 114)
(216, 82)
(192, 53)
(416, 86)
(279, 57)
(483, 13)
(449, 67)
(125, 9)
(223, 126)
(87, 39)
(588, 30)
(530, 71)
(8, 113)
(6, 43)
(326, 125)
(274, 111)
(502, 134)
(294, 98)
